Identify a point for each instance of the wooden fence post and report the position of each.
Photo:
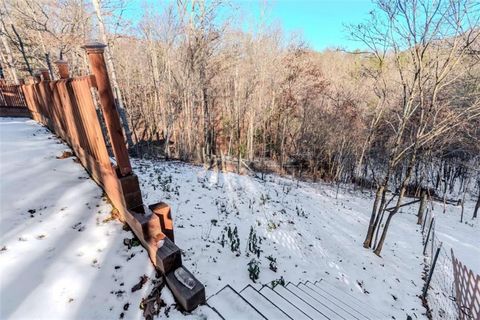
(62, 67)
(423, 205)
(112, 120)
(44, 73)
(37, 77)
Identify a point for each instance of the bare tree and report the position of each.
(428, 44)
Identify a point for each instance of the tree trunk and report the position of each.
(378, 249)
(380, 213)
(477, 206)
(368, 239)
(423, 206)
(10, 64)
(465, 190)
(22, 50)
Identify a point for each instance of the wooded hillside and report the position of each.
(196, 84)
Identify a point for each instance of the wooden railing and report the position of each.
(11, 96)
(12, 100)
(467, 290)
(68, 107)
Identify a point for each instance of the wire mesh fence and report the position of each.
(439, 289)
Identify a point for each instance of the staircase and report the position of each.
(305, 300)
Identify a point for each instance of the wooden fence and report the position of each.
(12, 101)
(467, 290)
(69, 107)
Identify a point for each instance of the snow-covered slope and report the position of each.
(62, 258)
(311, 234)
(463, 238)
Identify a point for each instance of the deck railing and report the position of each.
(12, 100)
(69, 107)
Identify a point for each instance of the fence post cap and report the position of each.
(94, 47)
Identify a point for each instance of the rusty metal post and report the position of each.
(424, 221)
(62, 67)
(112, 120)
(428, 236)
(45, 74)
(430, 273)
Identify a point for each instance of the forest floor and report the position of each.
(63, 257)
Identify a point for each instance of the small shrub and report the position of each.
(222, 240)
(222, 208)
(133, 242)
(277, 282)
(233, 238)
(253, 270)
(300, 212)
(273, 263)
(254, 243)
(264, 198)
(271, 225)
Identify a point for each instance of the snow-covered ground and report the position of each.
(310, 232)
(463, 238)
(61, 257)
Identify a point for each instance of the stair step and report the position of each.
(262, 304)
(336, 307)
(283, 304)
(207, 312)
(299, 303)
(345, 304)
(231, 305)
(350, 299)
(323, 309)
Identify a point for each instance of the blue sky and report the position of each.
(321, 22)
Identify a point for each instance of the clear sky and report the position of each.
(321, 22)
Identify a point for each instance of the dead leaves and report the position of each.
(65, 154)
(139, 285)
(152, 305)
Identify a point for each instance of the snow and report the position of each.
(225, 306)
(322, 241)
(262, 304)
(63, 259)
(463, 238)
(282, 303)
(312, 233)
(68, 260)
